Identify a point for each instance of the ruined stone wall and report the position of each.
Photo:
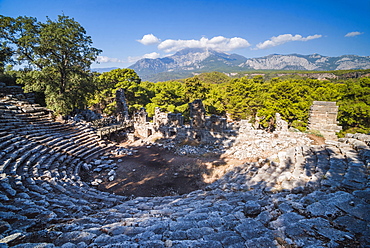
(280, 124)
(167, 119)
(144, 130)
(159, 118)
(323, 118)
(175, 120)
(216, 123)
(171, 125)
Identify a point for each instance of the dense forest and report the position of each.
(241, 98)
(58, 55)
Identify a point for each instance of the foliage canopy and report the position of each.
(58, 55)
(254, 98)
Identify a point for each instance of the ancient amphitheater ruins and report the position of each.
(299, 195)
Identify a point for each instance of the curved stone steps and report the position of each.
(74, 142)
(27, 107)
(73, 147)
(315, 196)
(90, 152)
(39, 134)
(9, 157)
(23, 154)
(67, 173)
(9, 121)
(29, 176)
(84, 202)
(4, 136)
(60, 143)
(16, 215)
(226, 216)
(8, 143)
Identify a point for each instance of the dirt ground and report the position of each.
(158, 172)
(317, 140)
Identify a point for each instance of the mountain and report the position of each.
(307, 62)
(101, 70)
(196, 60)
(186, 61)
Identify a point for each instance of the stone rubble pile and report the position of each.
(124, 151)
(306, 196)
(198, 150)
(358, 140)
(86, 116)
(100, 165)
(252, 143)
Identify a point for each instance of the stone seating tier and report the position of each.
(309, 196)
(29, 153)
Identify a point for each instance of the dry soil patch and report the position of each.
(156, 171)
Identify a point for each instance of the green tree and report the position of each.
(213, 77)
(5, 56)
(291, 98)
(137, 94)
(215, 102)
(242, 97)
(58, 55)
(195, 89)
(354, 107)
(168, 96)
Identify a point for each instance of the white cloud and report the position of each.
(284, 38)
(351, 34)
(149, 39)
(152, 55)
(105, 59)
(218, 43)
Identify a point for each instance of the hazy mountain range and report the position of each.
(188, 61)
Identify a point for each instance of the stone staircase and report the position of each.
(309, 196)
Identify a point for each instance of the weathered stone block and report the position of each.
(252, 208)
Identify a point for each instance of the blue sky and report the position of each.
(127, 30)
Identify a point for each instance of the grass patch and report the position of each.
(315, 132)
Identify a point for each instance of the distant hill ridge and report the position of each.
(188, 61)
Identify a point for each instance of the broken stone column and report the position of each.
(323, 118)
(197, 114)
(280, 124)
(121, 103)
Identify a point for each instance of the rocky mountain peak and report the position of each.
(196, 60)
